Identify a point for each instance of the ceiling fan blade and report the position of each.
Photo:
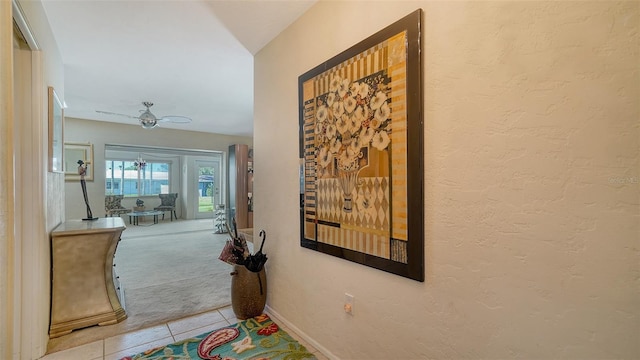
(175, 119)
(118, 114)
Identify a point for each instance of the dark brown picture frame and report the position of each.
(361, 152)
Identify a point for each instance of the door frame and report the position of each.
(24, 297)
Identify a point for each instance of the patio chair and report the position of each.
(168, 203)
(112, 205)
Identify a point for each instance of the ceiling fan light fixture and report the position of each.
(148, 124)
(148, 120)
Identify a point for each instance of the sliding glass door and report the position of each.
(208, 187)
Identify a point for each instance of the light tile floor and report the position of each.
(135, 342)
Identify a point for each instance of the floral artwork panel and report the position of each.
(357, 112)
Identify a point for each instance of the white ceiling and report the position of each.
(190, 58)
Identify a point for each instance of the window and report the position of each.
(123, 178)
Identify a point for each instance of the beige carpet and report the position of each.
(169, 271)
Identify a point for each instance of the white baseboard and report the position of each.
(274, 314)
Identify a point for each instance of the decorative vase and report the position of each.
(248, 292)
(349, 165)
(348, 180)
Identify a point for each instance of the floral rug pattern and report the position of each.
(258, 338)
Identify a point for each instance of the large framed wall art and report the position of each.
(361, 152)
(56, 125)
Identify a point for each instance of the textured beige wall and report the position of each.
(531, 182)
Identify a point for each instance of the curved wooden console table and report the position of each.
(85, 289)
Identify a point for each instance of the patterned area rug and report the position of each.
(258, 338)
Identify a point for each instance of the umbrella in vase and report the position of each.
(256, 261)
(235, 250)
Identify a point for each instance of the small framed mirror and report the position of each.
(74, 151)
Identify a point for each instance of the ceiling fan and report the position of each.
(148, 120)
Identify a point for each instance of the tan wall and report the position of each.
(531, 183)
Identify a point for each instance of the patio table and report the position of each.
(135, 215)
